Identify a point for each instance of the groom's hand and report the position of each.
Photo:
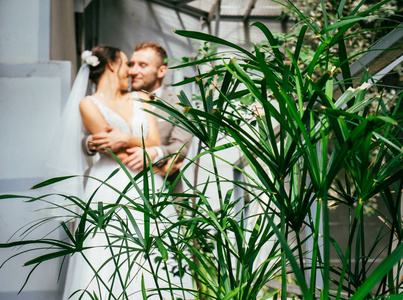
(135, 159)
(111, 138)
(171, 166)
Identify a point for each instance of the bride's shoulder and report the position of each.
(134, 94)
(140, 95)
(138, 99)
(90, 99)
(86, 98)
(87, 103)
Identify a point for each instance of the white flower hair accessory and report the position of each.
(90, 59)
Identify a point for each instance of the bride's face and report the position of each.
(123, 72)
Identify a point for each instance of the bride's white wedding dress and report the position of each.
(100, 258)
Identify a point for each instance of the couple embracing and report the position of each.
(114, 119)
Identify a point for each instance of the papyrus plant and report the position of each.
(303, 147)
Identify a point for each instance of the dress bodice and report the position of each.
(138, 126)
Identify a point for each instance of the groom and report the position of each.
(148, 68)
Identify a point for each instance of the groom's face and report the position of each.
(146, 70)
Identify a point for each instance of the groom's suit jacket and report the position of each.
(172, 137)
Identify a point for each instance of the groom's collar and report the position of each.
(157, 92)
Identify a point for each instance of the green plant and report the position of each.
(304, 149)
(140, 237)
(322, 149)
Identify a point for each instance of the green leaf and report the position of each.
(384, 267)
(48, 256)
(213, 39)
(52, 181)
(290, 256)
(196, 62)
(161, 248)
(231, 294)
(278, 55)
(143, 288)
(345, 68)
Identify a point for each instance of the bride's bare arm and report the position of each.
(111, 137)
(91, 116)
(96, 125)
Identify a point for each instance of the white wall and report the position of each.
(32, 90)
(21, 26)
(31, 100)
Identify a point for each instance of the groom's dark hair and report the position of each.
(162, 54)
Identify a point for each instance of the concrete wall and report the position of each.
(20, 24)
(33, 88)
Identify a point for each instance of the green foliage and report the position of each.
(304, 151)
(315, 148)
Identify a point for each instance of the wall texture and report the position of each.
(33, 88)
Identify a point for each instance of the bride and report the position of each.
(112, 234)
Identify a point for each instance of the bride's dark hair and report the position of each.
(105, 54)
